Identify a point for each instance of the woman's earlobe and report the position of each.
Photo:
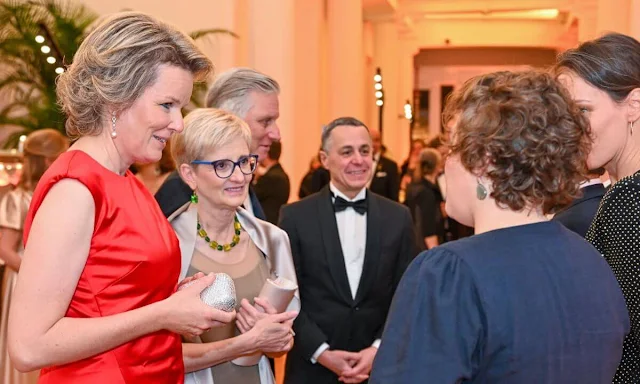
(633, 101)
(186, 174)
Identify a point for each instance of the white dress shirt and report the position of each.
(352, 229)
(591, 182)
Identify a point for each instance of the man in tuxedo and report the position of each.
(350, 248)
(252, 96)
(385, 179)
(580, 213)
(272, 188)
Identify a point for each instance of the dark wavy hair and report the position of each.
(610, 63)
(522, 131)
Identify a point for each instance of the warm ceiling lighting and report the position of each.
(522, 14)
(546, 14)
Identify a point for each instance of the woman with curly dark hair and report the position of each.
(524, 300)
(603, 76)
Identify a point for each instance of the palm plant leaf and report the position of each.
(202, 33)
(200, 89)
(27, 80)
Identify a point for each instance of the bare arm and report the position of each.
(200, 356)
(54, 257)
(9, 242)
(271, 334)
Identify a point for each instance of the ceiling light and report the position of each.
(514, 14)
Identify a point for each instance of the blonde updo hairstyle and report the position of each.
(205, 131)
(116, 63)
(41, 148)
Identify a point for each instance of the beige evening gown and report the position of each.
(13, 209)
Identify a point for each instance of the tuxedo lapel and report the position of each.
(595, 191)
(332, 247)
(589, 192)
(372, 247)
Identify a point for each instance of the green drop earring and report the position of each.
(194, 198)
(481, 191)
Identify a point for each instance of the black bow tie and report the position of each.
(359, 206)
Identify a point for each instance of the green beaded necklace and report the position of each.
(222, 247)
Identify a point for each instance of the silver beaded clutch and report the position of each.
(221, 294)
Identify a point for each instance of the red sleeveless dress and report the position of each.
(134, 260)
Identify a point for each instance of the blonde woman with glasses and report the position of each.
(217, 235)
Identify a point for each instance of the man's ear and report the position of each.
(187, 173)
(324, 159)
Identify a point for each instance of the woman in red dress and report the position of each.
(96, 297)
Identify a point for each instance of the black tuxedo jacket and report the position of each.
(272, 190)
(386, 180)
(579, 215)
(174, 193)
(329, 313)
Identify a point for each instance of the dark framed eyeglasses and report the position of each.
(224, 168)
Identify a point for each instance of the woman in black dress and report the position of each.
(603, 77)
(524, 300)
(424, 200)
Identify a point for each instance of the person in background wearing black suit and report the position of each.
(385, 179)
(252, 96)
(579, 215)
(272, 188)
(306, 185)
(424, 200)
(350, 248)
(320, 178)
(453, 229)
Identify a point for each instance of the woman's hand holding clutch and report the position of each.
(272, 334)
(248, 314)
(185, 313)
(185, 282)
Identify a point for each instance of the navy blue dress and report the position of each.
(528, 304)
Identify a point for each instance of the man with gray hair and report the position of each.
(350, 247)
(252, 96)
